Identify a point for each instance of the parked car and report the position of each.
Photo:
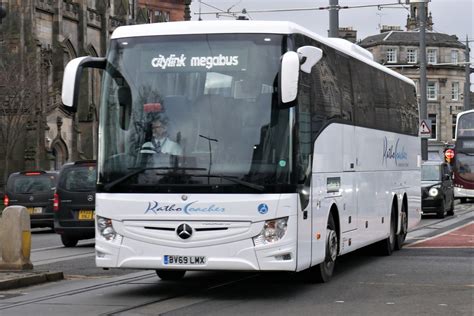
(33, 190)
(74, 202)
(437, 189)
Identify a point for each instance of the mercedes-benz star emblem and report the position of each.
(90, 198)
(31, 198)
(184, 231)
(184, 197)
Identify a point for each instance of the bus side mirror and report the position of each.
(307, 56)
(72, 78)
(289, 74)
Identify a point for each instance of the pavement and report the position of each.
(16, 279)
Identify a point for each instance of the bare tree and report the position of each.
(19, 100)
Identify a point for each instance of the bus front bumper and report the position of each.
(238, 256)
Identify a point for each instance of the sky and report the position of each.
(453, 17)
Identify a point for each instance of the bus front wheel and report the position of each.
(170, 275)
(322, 273)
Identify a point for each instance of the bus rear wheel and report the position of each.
(323, 272)
(400, 239)
(170, 275)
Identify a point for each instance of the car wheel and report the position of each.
(442, 211)
(69, 241)
(170, 275)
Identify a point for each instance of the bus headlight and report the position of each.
(105, 228)
(273, 231)
(433, 192)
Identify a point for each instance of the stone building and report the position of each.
(49, 33)
(399, 50)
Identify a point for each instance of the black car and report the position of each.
(33, 190)
(74, 207)
(437, 189)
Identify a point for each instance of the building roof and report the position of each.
(412, 38)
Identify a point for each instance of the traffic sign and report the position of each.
(425, 130)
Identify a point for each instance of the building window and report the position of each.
(412, 55)
(431, 56)
(454, 91)
(391, 55)
(158, 16)
(454, 57)
(432, 91)
(432, 117)
(454, 125)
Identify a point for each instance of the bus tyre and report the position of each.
(322, 273)
(170, 275)
(400, 239)
(387, 245)
(69, 241)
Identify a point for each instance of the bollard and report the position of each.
(15, 239)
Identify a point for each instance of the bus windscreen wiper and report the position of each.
(110, 185)
(233, 179)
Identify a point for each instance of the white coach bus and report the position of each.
(275, 149)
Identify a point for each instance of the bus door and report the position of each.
(305, 199)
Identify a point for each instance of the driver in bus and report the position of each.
(160, 143)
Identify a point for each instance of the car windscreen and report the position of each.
(430, 173)
(82, 179)
(33, 184)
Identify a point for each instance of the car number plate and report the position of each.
(35, 210)
(86, 215)
(184, 260)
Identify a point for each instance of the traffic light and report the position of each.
(449, 155)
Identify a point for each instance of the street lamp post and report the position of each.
(333, 18)
(467, 84)
(423, 103)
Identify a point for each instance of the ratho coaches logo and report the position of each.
(158, 208)
(394, 152)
